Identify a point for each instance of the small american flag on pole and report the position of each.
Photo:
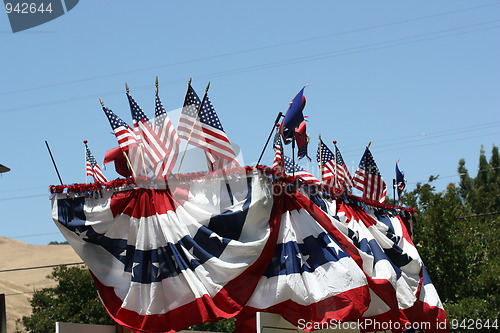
(124, 134)
(126, 139)
(168, 136)
(91, 166)
(278, 152)
(300, 172)
(368, 179)
(153, 149)
(333, 169)
(202, 128)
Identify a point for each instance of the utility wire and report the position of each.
(34, 235)
(478, 215)
(39, 267)
(378, 26)
(427, 136)
(288, 62)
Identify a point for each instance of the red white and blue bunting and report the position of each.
(201, 247)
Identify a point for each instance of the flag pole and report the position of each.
(85, 155)
(54, 162)
(320, 158)
(394, 190)
(293, 155)
(194, 123)
(280, 114)
(139, 146)
(336, 165)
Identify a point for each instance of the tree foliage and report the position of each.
(224, 325)
(457, 236)
(74, 299)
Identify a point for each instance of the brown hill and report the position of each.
(18, 285)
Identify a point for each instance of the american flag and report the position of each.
(298, 171)
(203, 129)
(92, 168)
(126, 140)
(278, 152)
(334, 171)
(188, 119)
(167, 135)
(124, 134)
(153, 149)
(368, 179)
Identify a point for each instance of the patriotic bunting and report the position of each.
(218, 246)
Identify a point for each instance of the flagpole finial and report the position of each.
(126, 88)
(208, 86)
(334, 142)
(156, 84)
(319, 137)
(190, 79)
(85, 142)
(102, 103)
(369, 144)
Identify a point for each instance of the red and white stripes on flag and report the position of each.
(153, 149)
(278, 152)
(92, 168)
(333, 169)
(201, 127)
(168, 136)
(293, 169)
(127, 141)
(368, 179)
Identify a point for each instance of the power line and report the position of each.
(478, 215)
(20, 293)
(39, 267)
(281, 63)
(378, 26)
(432, 135)
(34, 235)
(25, 197)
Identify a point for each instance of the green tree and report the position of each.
(74, 299)
(457, 236)
(224, 325)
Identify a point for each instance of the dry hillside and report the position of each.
(18, 285)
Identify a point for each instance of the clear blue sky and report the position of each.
(419, 79)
